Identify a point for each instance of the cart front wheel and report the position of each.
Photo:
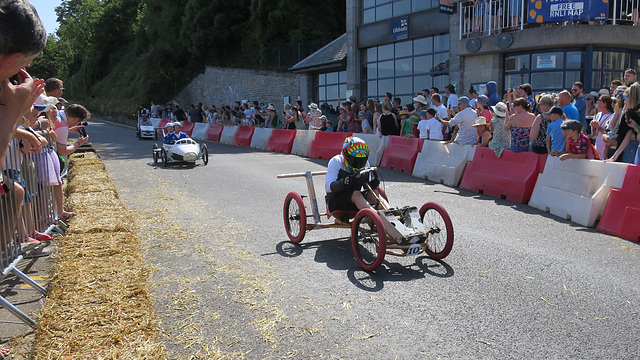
(155, 153)
(205, 154)
(439, 229)
(163, 154)
(368, 239)
(295, 217)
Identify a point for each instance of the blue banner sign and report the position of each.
(400, 28)
(552, 11)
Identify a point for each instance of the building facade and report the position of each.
(405, 46)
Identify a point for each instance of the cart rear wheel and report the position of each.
(155, 153)
(295, 217)
(368, 239)
(439, 229)
(163, 154)
(205, 154)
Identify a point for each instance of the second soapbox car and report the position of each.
(404, 231)
(182, 151)
(145, 129)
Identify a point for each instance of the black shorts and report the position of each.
(340, 201)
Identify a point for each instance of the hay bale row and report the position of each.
(99, 304)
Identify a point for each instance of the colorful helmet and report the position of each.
(355, 153)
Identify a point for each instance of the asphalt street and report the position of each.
(518, 284)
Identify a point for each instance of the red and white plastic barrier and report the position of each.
(401, 153)
(302, 142)
(576, 189)
(260, 138)
(200, 131)
(228, 134)
(442, 162)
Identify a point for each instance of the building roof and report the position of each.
(331, 55)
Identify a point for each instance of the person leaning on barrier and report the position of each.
(578, 145)
(345, 179)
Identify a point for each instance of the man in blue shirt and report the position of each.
(580, 102)
(570, 111)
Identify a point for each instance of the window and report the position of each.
(609, 66)
(406, 67)
(331, 87)
(545, 71)
(377, 10)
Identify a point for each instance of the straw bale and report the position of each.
(86, 184)
(79, 157)
(86, 169)
(99, 221)
(86, 202)
(99, 304)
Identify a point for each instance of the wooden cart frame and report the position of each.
(403, 231)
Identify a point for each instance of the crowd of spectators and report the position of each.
(519, 120)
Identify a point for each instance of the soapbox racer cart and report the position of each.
(146, 130)
(182, 151)
(404, 231)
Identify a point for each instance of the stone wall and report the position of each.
(228, 85)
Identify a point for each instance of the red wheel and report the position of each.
(439, 229)
(368, 239)
(295, 217)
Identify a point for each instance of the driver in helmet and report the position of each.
(178, 133)
(169, 137)
(345, 181)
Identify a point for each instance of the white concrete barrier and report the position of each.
(302, 142)
(228, 134)
(442, 162)
(376, 147)
(155, 122)
(200, 131)
(260, 138)
(576, 189)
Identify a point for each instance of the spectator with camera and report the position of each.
(75, 115)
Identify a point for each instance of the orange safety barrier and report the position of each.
(511, 176)
(215, 132)
(622, 211)
(327, 144)
(243, 136)
(281, 140)
(187, 127)
(401, 153)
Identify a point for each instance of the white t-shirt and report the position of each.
(442, 111)
(452, 101)
(434, 128)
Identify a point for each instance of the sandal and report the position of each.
(66, 215)
(41, 236)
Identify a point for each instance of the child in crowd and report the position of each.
(429, 126)
(555, 135)
(578, 145)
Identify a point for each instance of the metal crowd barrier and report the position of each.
(26, 204)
